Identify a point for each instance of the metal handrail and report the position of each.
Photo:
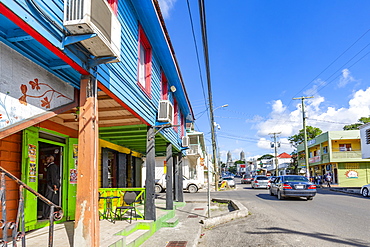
(56, 212)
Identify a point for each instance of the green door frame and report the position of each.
(31, 136)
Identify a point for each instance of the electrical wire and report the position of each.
(197, 54)
(324, 83)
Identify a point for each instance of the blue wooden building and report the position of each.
(96, 84)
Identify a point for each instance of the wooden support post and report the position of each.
(169, 178)
(175, 178)
(180, 191)
(87, 232)
(149, 212)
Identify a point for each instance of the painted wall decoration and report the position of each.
(26, 89)
(351, 174)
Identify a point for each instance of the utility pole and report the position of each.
(276, 159)
(208, 73)
(305, 135)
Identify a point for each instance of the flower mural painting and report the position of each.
(45, 102)
(43, 95)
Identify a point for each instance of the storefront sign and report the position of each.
(32, 162)
(73, 172)
(27, 89)
(351, 174)
(73, 176)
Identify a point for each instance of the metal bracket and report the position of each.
(99, 60)
(73, 39)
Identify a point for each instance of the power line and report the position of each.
(196, 51)
(327, 67)
(336, 59)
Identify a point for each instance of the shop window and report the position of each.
(114, 169)
(144, 63)
(345, 147)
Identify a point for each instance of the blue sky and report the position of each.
(262, 54)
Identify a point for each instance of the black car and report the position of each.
(292, 186)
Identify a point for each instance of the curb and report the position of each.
(240, 211)
(354, 191)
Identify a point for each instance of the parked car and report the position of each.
(271, 179)
(260, 181)
(246, 179)
(229, 180)
(190, 185)
(365, 190)
(292, 186)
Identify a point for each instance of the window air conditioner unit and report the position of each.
(189, 127)
(165, 111)
(94, 17)
(185, 141)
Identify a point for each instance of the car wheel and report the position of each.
(279, 195)
(365, 192)
(271, 194)
(192, 188)
(158, 188)
(309, 198)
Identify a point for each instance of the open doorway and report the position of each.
(56, 151)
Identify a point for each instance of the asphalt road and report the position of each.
(330, 219)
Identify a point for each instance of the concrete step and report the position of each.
(137, 238)
(171, 222)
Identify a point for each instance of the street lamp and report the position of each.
(214, 148)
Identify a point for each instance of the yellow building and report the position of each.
(338, 153)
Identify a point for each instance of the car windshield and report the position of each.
(228, 178)
(262, 178)
(295, 179)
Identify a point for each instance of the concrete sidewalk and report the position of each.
(119, 233)
(186, 232)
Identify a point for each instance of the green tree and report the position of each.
(266, 156)
(239, 162)
(297, 139)
(355, 126)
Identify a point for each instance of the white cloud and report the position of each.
(345, 78)
(166, 6)
(317, 84)
(324, 117)
(278, 107)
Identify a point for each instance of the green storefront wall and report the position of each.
(346, 172)
(30, 165)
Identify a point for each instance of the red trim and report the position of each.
(182, 125)
(176, 114)
(25, 27)
(114, 5)
(113, 96)
(143, 40)
(164, 87)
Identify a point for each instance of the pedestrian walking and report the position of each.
(318, 181)
(52, 185)
(328, 180)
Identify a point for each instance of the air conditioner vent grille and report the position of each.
(101, 16)
(165, 111)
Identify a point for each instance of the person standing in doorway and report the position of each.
(52, 185)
